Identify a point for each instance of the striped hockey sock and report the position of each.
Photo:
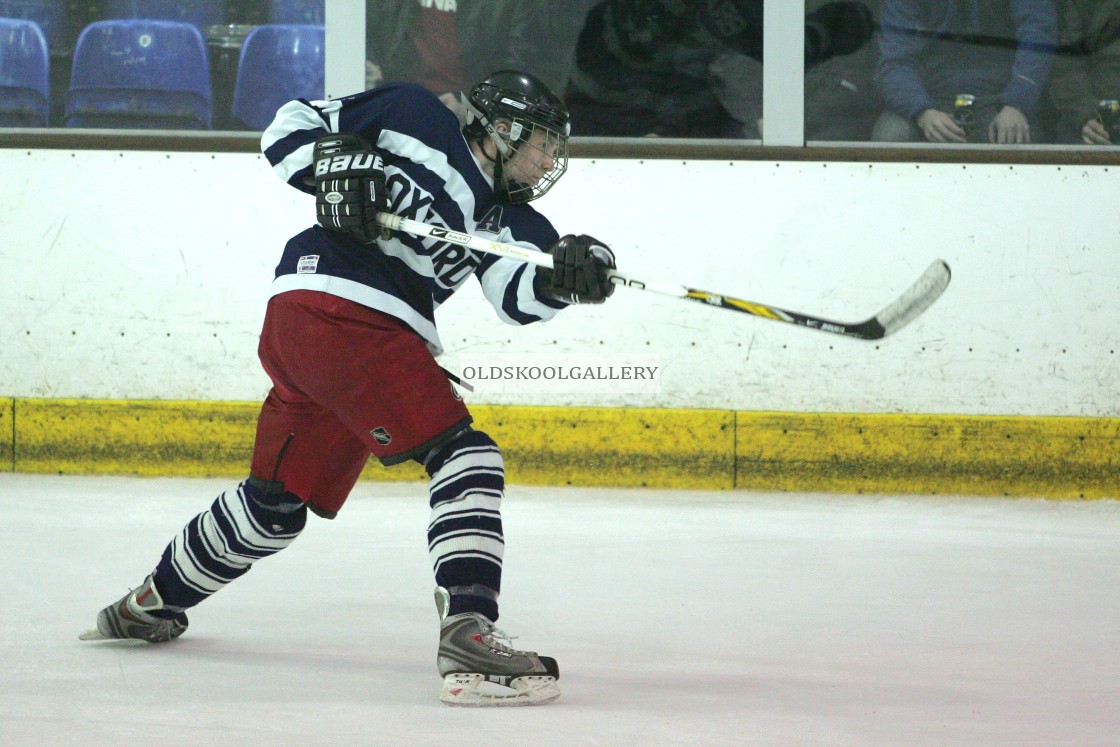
(465, 540)
(222, 543)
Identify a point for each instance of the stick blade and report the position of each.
(915, 299)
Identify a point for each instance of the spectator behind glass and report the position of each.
(931, 51)
(841, 98)
(1087, 72)
(448, 45)
(664, 67)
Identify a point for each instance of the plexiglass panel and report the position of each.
(994, 72)
(885, 71)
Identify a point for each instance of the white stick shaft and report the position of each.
(913, 302)
(416, 228)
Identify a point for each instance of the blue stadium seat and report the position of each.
(201, 13)
(312, 12)
(49, 14)
(140, 74)
(24, 72)
(278, 63)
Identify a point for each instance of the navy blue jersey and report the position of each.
(431, 176)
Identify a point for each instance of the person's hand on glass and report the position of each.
(1009, 126)
(939, 127)
(1094, 133)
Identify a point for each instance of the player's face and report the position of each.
(533, 159)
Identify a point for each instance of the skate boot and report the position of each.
(139, 615)
(480, 669)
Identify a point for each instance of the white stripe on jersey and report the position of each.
(436, 162)
(495, 279)
(291, 117)
(317, 117)
(454, 185)
(364, 295)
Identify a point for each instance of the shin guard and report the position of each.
(222, 543)
(465, 541)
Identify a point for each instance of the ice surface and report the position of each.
(678, 618)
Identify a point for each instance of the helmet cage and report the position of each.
(534, 127)
(535, 143)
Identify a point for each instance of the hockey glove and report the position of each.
(579, 274)
(349, 186)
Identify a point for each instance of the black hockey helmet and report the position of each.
(526, 106)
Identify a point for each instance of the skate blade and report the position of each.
(93, 634)
(475, 691)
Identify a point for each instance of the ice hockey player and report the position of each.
(349, 341)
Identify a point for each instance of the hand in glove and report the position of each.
(349, 186)
(579, 274)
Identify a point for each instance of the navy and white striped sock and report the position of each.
(222, 543)
(465, 541)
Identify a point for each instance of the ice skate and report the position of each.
(479, 669)
(140, 615)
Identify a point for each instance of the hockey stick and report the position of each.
(894, 316)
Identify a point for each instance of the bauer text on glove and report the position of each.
(349, 186)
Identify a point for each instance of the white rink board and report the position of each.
(145, 275)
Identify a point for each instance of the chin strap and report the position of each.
(504, 148)
(504, 152)
(471, 115)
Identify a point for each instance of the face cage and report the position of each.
(520, 142)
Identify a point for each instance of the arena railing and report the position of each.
(601, 148)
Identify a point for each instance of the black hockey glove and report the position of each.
(579, 272)
(349, 186)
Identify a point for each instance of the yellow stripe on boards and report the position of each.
(7, 434)
(1053, 457)
(135, 437)
(1056, 457)
(148, 438)
(541, 445)
(621, 447)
